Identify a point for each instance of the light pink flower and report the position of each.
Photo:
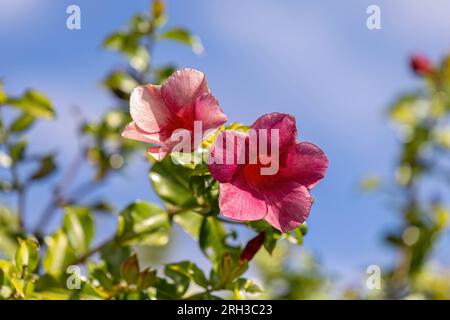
(158, 111)
(282, 199)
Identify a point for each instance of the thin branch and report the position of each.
(21, 195)
(94, 250)
(57, 198)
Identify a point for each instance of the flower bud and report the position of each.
(421, 65)
(252, 247)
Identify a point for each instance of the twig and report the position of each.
(94, 250)
(21, 195)
(57, 198)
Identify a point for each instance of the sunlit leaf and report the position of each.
(27, 256)
(213, 240)
(405, 110)
(79, 227)
(9, 231)
(3, 96)
(189, 270)
(140, 24)
(59, 254)
(34, 103)
(190, 222)
(139, 223)
(171, 183)
(120, 83)
(21, 123)
(183, 36)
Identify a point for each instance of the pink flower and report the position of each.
(282, 199)
(158, 111)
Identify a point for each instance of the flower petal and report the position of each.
(159, 153)
(182, 88)
(289, 204)
(239, 201)
(147, 108)
(305, 163)
(132, 131)
(286, 125)
(227, 155)
(208, 111)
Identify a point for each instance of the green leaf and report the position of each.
(59, 254)
(228, 269)
(271, 239)
(180, 281)
(163, 73)
(9, 231)
(183, 36)
(204, 296)
(242, 285)
(17, 150)
(120, 83)
(79, 227)
(171, 183)
(128, 44)
(46, 167)
(188, 269)
(190, 221)
(3, 96)
(130, 270)
(140, 24)
(140, 222)
(147, 278)
(406, 110)
(63, 294)
(167, 291)
(212, 237)
(34, 103)
(27, 256)
(121, 41)
(7, 269)
(113, 255)
(23, 122)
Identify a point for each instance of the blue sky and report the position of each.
(313, 59)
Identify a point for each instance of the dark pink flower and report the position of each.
(158, 111)
(282, 199)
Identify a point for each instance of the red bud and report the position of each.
(252, 247)
(421, 65)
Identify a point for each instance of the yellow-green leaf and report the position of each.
(34, 103)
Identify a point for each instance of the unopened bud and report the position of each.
(252, 247)
(421, 65)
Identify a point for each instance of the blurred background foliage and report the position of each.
(64, 263)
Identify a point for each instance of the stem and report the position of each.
(94, 250)
(17, 184)
(57, 198)
(21, 199)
